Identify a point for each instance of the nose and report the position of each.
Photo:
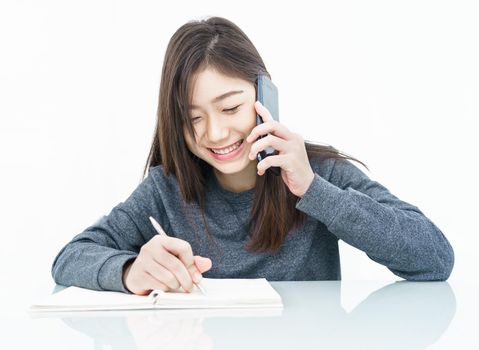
(216, 130)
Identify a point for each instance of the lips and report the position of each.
(227, 149)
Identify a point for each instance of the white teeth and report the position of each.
(227, 150)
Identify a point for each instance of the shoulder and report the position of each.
(163, 183)
(340, 172)
(157, 173)
(322, 166)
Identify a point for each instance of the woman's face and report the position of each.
(223, 115)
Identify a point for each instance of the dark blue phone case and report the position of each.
(267, 94)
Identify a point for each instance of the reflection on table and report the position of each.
(401, 315)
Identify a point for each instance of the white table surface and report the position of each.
(323, 314)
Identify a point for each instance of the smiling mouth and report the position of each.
(228, 149)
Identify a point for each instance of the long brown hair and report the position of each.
(218, 43)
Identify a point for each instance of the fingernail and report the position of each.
(197, 277)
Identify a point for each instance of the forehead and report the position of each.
(209, 83)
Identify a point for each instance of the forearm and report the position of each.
(391, 232)
(86, 264)
(95, 258)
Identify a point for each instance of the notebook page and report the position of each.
(76, 298)
(223, 292)
(231, 293)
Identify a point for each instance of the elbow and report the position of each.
(434, 261)
(444, 262)
(55, 271)
(58, 267)
(437, 269)
(446, 265)
(442, 271)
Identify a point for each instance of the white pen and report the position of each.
(160, 231)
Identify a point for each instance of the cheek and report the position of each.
(250, 120)
(247, 117)
(191, 143)
(188, 140)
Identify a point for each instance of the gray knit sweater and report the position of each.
(341, 203)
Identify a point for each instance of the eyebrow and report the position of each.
(220, 97)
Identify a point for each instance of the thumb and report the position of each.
(203, 264)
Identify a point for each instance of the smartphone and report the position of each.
(267, 94)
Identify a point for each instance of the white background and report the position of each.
(395, 84)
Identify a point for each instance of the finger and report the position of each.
(263, 112)
(278, 161)
(178, 247)
(162, 274)
(176, 267)
(271, 141)
(195, 274)
(273, 127)
(203, 264)
(152, 283)
(183, 251)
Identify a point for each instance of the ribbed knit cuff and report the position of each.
(110, 276)
(321, 200)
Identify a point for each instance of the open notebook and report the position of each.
(220, 293)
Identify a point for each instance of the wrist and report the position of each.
(308, 184)
(126, 270)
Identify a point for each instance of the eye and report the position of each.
(234, 109)
(195, 119)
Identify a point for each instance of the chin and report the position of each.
(231, 168)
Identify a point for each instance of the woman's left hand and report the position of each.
(292, 158)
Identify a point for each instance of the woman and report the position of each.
(226, 215)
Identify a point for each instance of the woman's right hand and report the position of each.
(164, 263)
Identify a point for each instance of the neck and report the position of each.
(239, 182)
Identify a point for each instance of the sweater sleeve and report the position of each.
(364, 214)
(95, 258)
